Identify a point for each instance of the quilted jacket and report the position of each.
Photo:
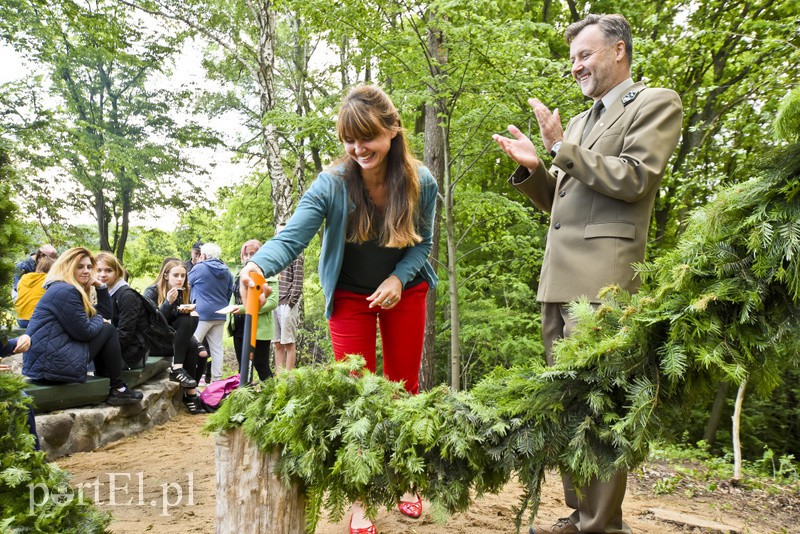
(60, 332)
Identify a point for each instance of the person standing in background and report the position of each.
(194, 258)
(30, 289)
(265, 327)
(287, 315)
(28, 265)
(212, 287)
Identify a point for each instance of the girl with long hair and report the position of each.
(67, 330)
(170, 294)
(378, 204)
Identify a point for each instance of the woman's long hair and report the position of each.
(162, 282)
(368, 112)
(112, 261)
(63, 270)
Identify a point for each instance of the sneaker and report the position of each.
(193, 404)
(182, 377)
(202, 382)
(118, 398)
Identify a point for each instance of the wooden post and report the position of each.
(250, 496)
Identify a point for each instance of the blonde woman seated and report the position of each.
(67, 330)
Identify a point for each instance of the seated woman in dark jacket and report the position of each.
(67, 331)
(127, 313)
(170, 294)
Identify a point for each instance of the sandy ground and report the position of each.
(163, 482)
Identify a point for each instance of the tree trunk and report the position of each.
(101, 215)
(737, 419)
(281, 186)
(452, 278)
(433, 158)
(250, 496)
(710, 434)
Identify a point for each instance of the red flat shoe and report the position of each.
(412, 509)
(366, 530)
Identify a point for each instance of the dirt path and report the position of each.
(163, 481)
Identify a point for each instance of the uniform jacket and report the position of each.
(60, 332)
(600, 193)
(327, 200)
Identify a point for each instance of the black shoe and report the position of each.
(182, 377)
(118, 398)
(193, 404)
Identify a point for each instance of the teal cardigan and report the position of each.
(326, 200)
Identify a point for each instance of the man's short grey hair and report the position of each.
(211, 251)
(614, 28)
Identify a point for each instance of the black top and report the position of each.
(366, 265)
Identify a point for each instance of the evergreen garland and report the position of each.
(723, 304)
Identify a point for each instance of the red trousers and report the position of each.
(352, 327)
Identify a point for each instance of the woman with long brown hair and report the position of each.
(378, 204)
(67, 330)
(171, 294)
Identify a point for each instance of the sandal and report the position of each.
(412, 509)
(193, 404)
(366, 530)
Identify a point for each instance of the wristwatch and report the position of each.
(554, 150)
(102, 286)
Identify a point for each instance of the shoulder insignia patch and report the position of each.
(630, 96)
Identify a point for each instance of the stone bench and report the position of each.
(84, 429)
(48, 397)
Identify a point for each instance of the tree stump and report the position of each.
(250, 496)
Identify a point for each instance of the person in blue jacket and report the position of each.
(67, 330)
(378, 204)
(212, 287)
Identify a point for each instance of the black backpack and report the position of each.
(158, 334)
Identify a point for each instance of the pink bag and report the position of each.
(215, 392)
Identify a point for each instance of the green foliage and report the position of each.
(787, 123)
(28, 483)
(349, 437)
(694, 464)
(500, 252)
(10, 239)
(109, 146)
(146, 252)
